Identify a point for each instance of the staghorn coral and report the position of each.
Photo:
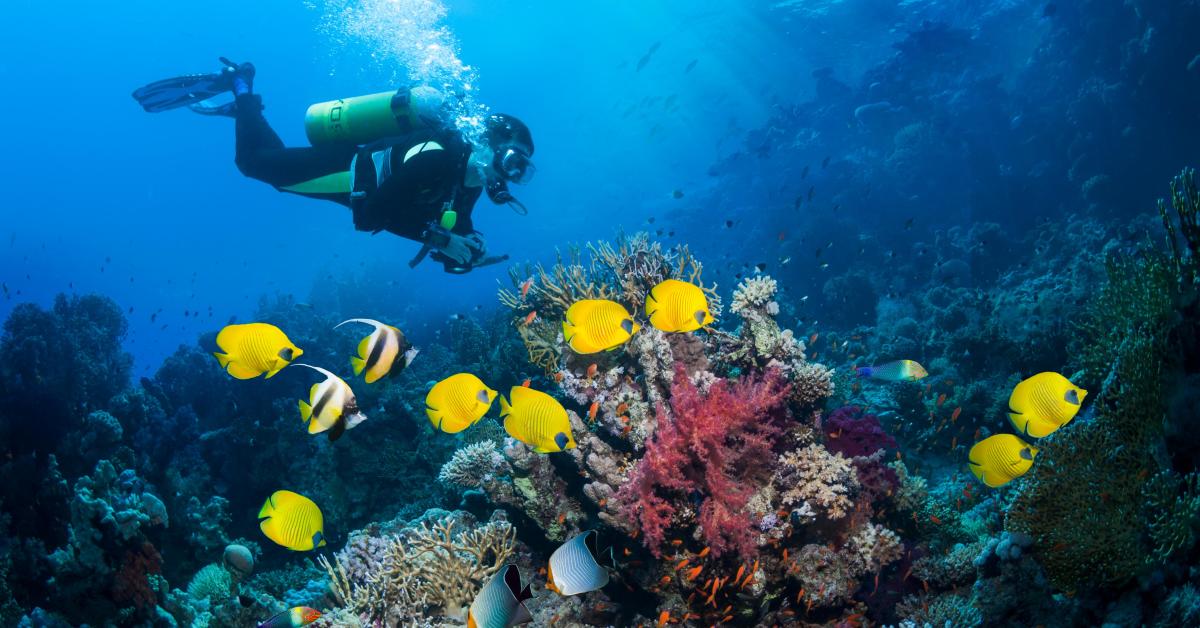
(475, 466)
(812, 476)
(712, 447)
(430, 569)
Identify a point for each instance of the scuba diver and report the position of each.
(393, 158)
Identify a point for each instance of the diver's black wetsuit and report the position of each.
(401, 183)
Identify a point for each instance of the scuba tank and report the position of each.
(364, 119)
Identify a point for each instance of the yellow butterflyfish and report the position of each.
(677, 306)
(536, 419)
(457, 402)
(293, 521)
(251, 349)
(1043, 403)
(595, 325)
(1000, 459)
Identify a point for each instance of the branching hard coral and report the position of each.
(1172, 505)
(475, 465)
(713, 448)
(872, 547)
(755, 293)
(814, 476)
(623, 272)
(939, 609)
(430, 569)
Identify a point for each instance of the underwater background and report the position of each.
(994, 190)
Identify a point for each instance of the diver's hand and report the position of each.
(462, 250)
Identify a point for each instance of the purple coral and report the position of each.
(852, 432)
(710, 450)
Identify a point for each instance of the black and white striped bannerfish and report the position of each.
(575, 566)
(378, 352)
(331, 406)
(501, 602)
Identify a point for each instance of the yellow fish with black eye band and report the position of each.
(1043, 403)
(677, 306)
(536, 419)
(457, 402)
(384, 352)
(251, 349)
(1000, 459)
(595, 325)
(331, 406)
(293, 521)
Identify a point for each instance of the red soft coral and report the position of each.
(712, 450)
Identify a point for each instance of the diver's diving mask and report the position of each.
(514, 165)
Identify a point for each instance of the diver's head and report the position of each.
(512, 148)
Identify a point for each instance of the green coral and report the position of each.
(1173, 509)
(1185, 201)
(213, 583)
(1082, 501)
(1138, 298)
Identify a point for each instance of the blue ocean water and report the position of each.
(970, 185)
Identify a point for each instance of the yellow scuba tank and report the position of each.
(364, 119)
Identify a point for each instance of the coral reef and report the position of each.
(710, 448)
(426, 569)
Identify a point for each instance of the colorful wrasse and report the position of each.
(294, 617)
(897, 371)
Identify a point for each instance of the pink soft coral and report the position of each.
(712, 450)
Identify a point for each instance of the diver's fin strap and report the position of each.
(335, 183)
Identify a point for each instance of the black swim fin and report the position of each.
(182, 91)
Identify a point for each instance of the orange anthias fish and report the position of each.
(813, 338)
(622, 408)
(664, 618)
(683, 563)
(530, 317)
(595, 407)
(527, 382)
(558, 377)
(703, 553)
(941, 399)
(954, 415)
(694, 571)
(591, 371)
(525, 286)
